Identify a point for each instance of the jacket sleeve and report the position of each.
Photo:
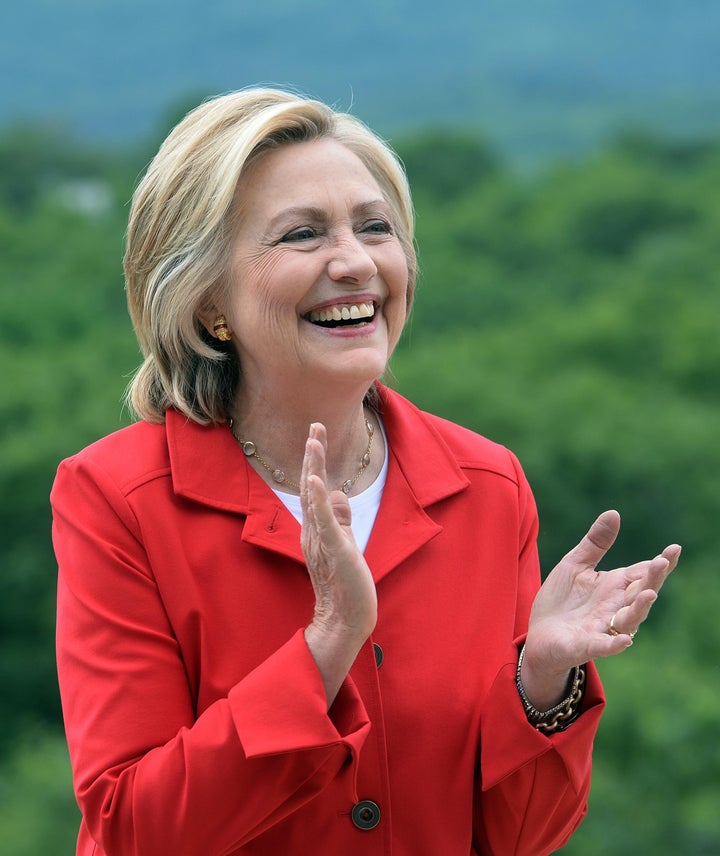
(533, 788)
(150, 776)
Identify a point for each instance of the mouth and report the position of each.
(343, 315)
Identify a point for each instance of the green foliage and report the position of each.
(571, 315)
(34, 161)
(38, 813)
(441, 164)
(65, 344)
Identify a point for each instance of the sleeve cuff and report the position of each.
(281, 706)
(509, 741)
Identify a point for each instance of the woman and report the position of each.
(297, 615)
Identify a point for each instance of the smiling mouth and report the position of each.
(345, 315)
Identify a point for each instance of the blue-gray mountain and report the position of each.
(537, 77)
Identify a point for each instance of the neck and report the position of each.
(279, 432)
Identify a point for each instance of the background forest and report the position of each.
(571, 314)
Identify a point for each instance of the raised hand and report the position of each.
(345, 598)
(580, 613)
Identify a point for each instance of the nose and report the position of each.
(350, 261)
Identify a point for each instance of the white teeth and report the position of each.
(354, 311)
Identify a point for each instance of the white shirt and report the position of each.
(364, 506)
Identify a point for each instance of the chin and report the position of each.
(363, 371)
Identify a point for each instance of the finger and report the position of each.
(598, 540)
(326, 525)
(652, 574)
(643, 574)
(341, 508)
(672, 554)
(313, 460)
(317, 447)
(607, 645)
(310, 530)
(662, 566)
(658, 572)
(313, 465)
(629, 618)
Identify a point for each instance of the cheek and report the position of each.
(396, 265)
(396, 275)
(259, 296)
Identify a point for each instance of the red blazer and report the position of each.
(195, 714)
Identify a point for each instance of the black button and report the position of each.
(378, 654)
(366, 814)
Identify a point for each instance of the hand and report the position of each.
(570, 618)
(345, 597)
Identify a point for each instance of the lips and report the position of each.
(343, 314)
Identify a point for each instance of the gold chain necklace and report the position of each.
(250, 450)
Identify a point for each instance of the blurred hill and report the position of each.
(541, 79)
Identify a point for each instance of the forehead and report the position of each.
(305, 174)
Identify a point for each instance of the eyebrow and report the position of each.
(303, 212)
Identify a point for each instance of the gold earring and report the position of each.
(221, 329)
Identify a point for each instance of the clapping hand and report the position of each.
(345, 598)
(580, 613)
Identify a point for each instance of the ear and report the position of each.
(207, 317)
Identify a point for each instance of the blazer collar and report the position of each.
(207, 464)
(209, 467)
(422, 454)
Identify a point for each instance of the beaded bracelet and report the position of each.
(559, 717)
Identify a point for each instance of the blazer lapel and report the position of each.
(209, 467)
(422, 471)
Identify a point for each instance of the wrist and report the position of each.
(544, 688)
(546, 716)
(334, 651)
(336, 635)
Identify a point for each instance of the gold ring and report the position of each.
(615, 632)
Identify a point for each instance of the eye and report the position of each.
(304, 233)
(377, 227)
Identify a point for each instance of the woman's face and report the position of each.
(318, 275)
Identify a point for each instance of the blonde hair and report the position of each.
(180, 231)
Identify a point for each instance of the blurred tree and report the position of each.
(443, 164)
(35, 160)
(38, 813)
(65, 343)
